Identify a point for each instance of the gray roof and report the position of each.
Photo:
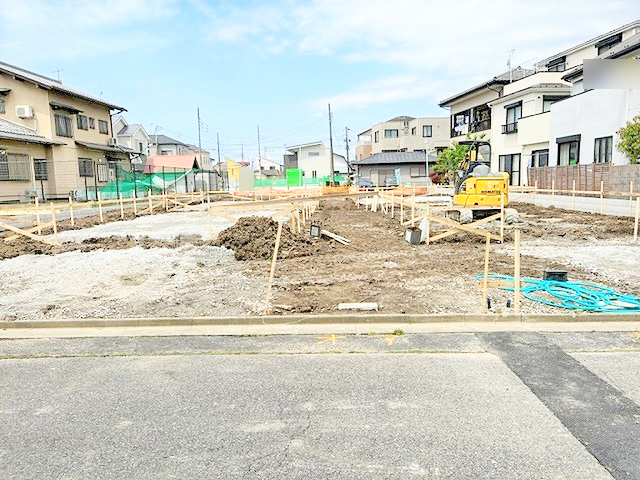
(395, 157)
(51, 84)
(129, 130)
(401, 118)
(502, 79)
(104, 148)
(164, 140)
(13, 131)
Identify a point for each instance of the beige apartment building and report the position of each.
(513, 110)
(404, 134)
(54, 141)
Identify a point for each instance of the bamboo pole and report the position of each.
(516, 273)
(635, 228)
(38, 223)
(73, 222)
(100, 208)
(121, 208)
(273, 269)
(485, 279)
(55, 224)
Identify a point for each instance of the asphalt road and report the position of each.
(495, 405)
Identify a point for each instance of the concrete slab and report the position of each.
(262, 416)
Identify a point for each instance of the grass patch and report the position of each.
(398, 331)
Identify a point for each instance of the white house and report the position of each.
(584, 126)
(314, 160)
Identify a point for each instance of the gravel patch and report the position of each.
(136, 282)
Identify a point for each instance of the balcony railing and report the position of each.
(510, 128)
(474, 127)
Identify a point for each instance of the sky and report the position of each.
(278, 63)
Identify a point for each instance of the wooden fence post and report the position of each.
(100, 208)
(273, 268)
(38, 223)
(73, 222)
(516, 272)
(574, 194)
(601, 196)
(485, 280)
(54, 222)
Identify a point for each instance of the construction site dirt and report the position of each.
(111, 276)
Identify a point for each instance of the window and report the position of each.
(608, 43)
(103, 127)
(419, 171)
(85, 166)
(103, 172)
(272, 167)
(64, 128)
(313, 154)
(514, 113)
(391, 133)
(460, 123)
(40, 168)
(547, 101)
(314, 174)
(511, 165)
(413, 131)
(602, 150)
(165, 152)
(92, 123)
(140, 147)
(568, 150)
(540, 158)
(557, 65)
(83, 122)
(427, 130)
(376, 137)
(14, 167)
(1, 105)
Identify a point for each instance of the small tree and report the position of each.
(629, 142)
(449, 159)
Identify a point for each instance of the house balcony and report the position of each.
(474, 127)
(510, 128)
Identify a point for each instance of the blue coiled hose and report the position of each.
(589, 297)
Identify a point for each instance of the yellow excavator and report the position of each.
(475, 185)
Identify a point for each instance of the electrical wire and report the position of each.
(585, 296)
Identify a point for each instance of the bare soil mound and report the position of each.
(253, 238)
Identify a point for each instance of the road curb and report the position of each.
(316, 319)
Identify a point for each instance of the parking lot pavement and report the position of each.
(442, 406)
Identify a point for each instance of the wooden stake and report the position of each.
(485, 280)
(393, 204)
(502, 217)
(574, 194)
(631, 198)
(150, 202)
(38, 216)
(73, 222)
(55, 224)
(635, 228)
(428, 225)
(402, 209)
(121, 208)
(516, 272)
(273, 269)
(601, 196)
(413, 205)
(100, 208)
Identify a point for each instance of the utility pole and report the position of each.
(199, 141)
(346, 141)
(259, 161)
(330, 148)
(218, 142)
(242, 152)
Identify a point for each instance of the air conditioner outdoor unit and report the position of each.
(113, 141)
(24, 111)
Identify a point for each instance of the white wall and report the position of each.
(593, 114)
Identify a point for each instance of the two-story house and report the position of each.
(132, 136)
(54, 141)
(163, 145)
(404, 134)
(314, 159)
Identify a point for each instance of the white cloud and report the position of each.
(70, 29)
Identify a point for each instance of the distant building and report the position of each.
(269, 168)
(404, 134)
(379, 166)
(314, 159)
(163, 145)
